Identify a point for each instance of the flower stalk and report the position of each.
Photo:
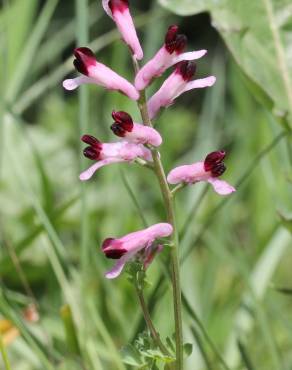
(169, 206)
(150, 325)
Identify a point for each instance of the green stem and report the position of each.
(146, 314)
(169, 205)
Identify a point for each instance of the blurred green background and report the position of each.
(236, 251)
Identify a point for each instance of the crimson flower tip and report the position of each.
(125, 248)
(208, 170)
(84, 59)
(186, 69)
(118, 5)
(134, 132)
(174, 41)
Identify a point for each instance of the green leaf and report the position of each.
(257, 34)
(283, 290)
(131, 356)
(286, 221)
(188, 349)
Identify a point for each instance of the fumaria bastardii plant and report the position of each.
(139, 142)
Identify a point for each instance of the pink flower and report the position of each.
(134, 132)
(170, 54)
(107, 153)
(175, 85)
(99, 74)
(119, 11)
(208, 170)
(126, 247)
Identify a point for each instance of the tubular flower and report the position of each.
(208, 170)
(107, 153)
(170, 54)
(126, 247)
(175, 85)
(119, 11)
(134, 132)
(99, 74)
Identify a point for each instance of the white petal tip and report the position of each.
(211, 80)
(138, 56)
(84, 176)
(69, 84)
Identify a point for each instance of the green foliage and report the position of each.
(258, 34)
(236, 253)
(144, 353)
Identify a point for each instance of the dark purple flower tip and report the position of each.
(123, 123)
(113, 253)
(119, 5)
(174, 41)
(180, 44)
(91, 153)
(84, 57)
(118, 130)
(186, 69)
(92, 141)
(214, 163)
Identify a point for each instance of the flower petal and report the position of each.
(118, 267)
(200, 83)
(127, 29)
(192, 55)
(124, 22)
(73, 83)
(86, 175)
(221, 187)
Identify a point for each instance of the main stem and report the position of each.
(169, 205)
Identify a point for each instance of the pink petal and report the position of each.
(142, 134)
(127, 29)
(86, 175)
(221, 187)
(118, 267)
(192, 55)
(73, 83)
(160, 62)
(200, 83)
(172, 87)
(106, 8)
(106, 77)
(153, 68)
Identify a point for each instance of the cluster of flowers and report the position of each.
(137, 139)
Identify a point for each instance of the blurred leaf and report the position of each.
(257, 34)
(131, 356)
(70, 330)
(16, 32)
(283, 290)
(28, 53)
(245, 356)
(259, 282)
(286, 221)
(188, 349)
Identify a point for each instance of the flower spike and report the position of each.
(119, 11)
(175, 85)
(134, 132)
(97, 73)
(108, 153)
(170, 54)
(208, 170)
(126, 247)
